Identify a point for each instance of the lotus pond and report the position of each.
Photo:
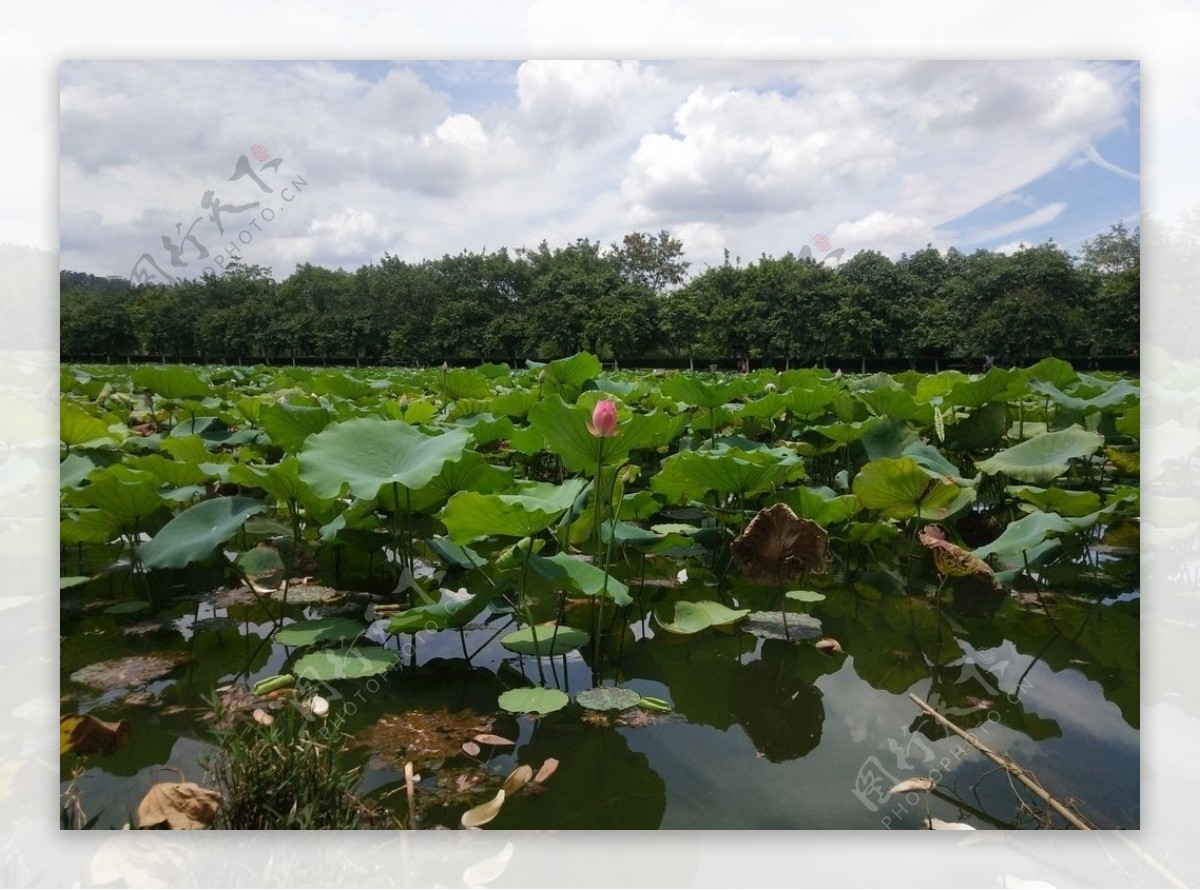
(623, 599)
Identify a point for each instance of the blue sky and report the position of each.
(424, 159)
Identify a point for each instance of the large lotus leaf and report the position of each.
(822, 505)
(320, 630)
(551, 639)
(997, 385)
(691, 390)
(570, 374)
(88, 527)
(76, 427)
(1128, 463)
(438, 616)
(126, 494)
(930, 386)
(469, 473)
(348, 664)
(368, 453)
(487, 428)
(810, 401)
(887, 402)
(985, 426)
(1090, 399)
(608, 698)
(530, 509)
(1054, 371)
(639, 505)
(514, 403)
(563, 429)
(461, 383)
(289, 425)
(1056, 500)
(622, 533)
(1043, 457)
(899, 488)
(198, 531)
(172, 382)
(175, 473)
(1029, 532)
(339, 383)
(533, 701)
(691, 474)
(1130, 423)
(74, 469)
(845, 433)
(281, 481)
(582, 576)
(773, 404)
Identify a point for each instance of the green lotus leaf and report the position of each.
(171, 382)
(845, 433)
(470, 473)
(127, 608)
(1120, 394)
(691, 474)
(348, 664)
(568, 375)
(822, 505)
(514, 403)
(1030, 532)
(321, 630)
(983, 428)
(1054, 371)
(368, 453)
(1056, 500)
(533, 701)
(290, 425)
(88, 527)
(462, 383)
(897, 403)
(124, 493)
(691, 618)
(805, 596)
(584, 577)
(438, 616)
(1043, 457)
(175, 473)
(899, 488)
(551, 640)
(608, 698)
(198, 531)
(691, 390)
(454, 554)
(76, 427)
(997, 385)
(530, 509)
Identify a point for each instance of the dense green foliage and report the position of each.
(630, 301)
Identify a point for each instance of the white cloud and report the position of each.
(753, 157)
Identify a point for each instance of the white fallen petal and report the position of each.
(484, 813)
(913, 785)
(938, 825)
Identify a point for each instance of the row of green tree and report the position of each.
(630, 301)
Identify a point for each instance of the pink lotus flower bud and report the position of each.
(445, 366)
(604, 420)
(403, 402)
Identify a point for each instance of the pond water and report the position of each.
(763, 732)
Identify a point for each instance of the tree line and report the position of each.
(630, 301)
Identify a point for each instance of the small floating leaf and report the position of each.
(533, 701)
(484, 813)
(486, 738)
(84, 734)
(547, 770)
(775, 626)
(518, 779)
(608, 698)
(805, 596)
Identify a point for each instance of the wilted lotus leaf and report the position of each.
(547, 770)
(779, 546)
(178, 806)
(134, 670)
(951, 560)
(84, 734)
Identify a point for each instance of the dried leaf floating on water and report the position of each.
(779, 546)
(178, 806)
(134, 670)
(518, 779)
(471, 749)
(487, 738)
(84, 734)
(547, 770)
(484, 813)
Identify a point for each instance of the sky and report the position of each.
(171, 168)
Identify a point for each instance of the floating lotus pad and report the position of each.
(550, 640)
(322, 630)
(533, 701)
(608, 698)
(691, 618)
(350, 664)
